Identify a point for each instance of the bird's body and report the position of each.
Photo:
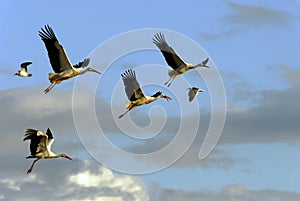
(40, 146)
(193, 92)
(173, 60)
(63, 69)
(135, 94)
(23, 72)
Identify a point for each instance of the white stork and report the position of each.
(63, 69)
(193, 92)
(40, 146)
(135, 93)
(173, 59)
(23, 71)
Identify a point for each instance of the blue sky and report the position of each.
(253, 46)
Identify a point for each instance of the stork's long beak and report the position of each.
(167, 98)
(67, 157)
(95, 71)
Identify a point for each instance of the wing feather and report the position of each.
(170, 55)
(56, 53)
(83, 63)
(38, 141)
(24, 65)
(191, 94)
(132, 87)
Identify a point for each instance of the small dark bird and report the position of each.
(40, 146)
(193, 92)
(23, 71)
(135, 93)
(174, 60)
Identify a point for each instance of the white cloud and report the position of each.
(77, 180)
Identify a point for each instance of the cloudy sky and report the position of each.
(153, 152)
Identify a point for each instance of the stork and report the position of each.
(23, 72)
(40, 146)
(173, 59)
(193, 91)
(63, 69)
(135, 94)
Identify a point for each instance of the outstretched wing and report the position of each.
(50, 139)
(83, 63)
(192, 93)
(37, 139)
(56, 53)
(24, 65)
(132, 87)
(170, 55)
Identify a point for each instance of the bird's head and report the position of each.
(203, 63)
(66, 156)
(167, 97)
(93, 70)
(159, 94)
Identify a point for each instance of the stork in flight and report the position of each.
(173, 59)
(135, 93)
(23, 71)
(193, 91)
(40, 146)
(63, 69)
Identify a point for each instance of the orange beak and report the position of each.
(67, 157)
(167, 98)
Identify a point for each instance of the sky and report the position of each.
(153, 152)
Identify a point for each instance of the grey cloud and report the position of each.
(271, 117)
(223, 35)
(257, 15)
(228, 193)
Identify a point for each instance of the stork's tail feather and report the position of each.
(29, 75)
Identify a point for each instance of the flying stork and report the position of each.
(193, 92)
(23, 71)
(135, 94)
(40, 146)
(63, 69)
(173, 59)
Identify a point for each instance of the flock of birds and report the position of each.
(40, 142)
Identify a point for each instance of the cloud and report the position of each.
(268, 116)
(222, 35)
(235, 192)
(243, 16)
(257, 15)
(77, 180)
(272, 118)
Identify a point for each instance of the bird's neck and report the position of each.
(53, 155)
(199, 65)
(152, 98)
(82, 71)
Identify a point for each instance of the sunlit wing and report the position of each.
(37, 139)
